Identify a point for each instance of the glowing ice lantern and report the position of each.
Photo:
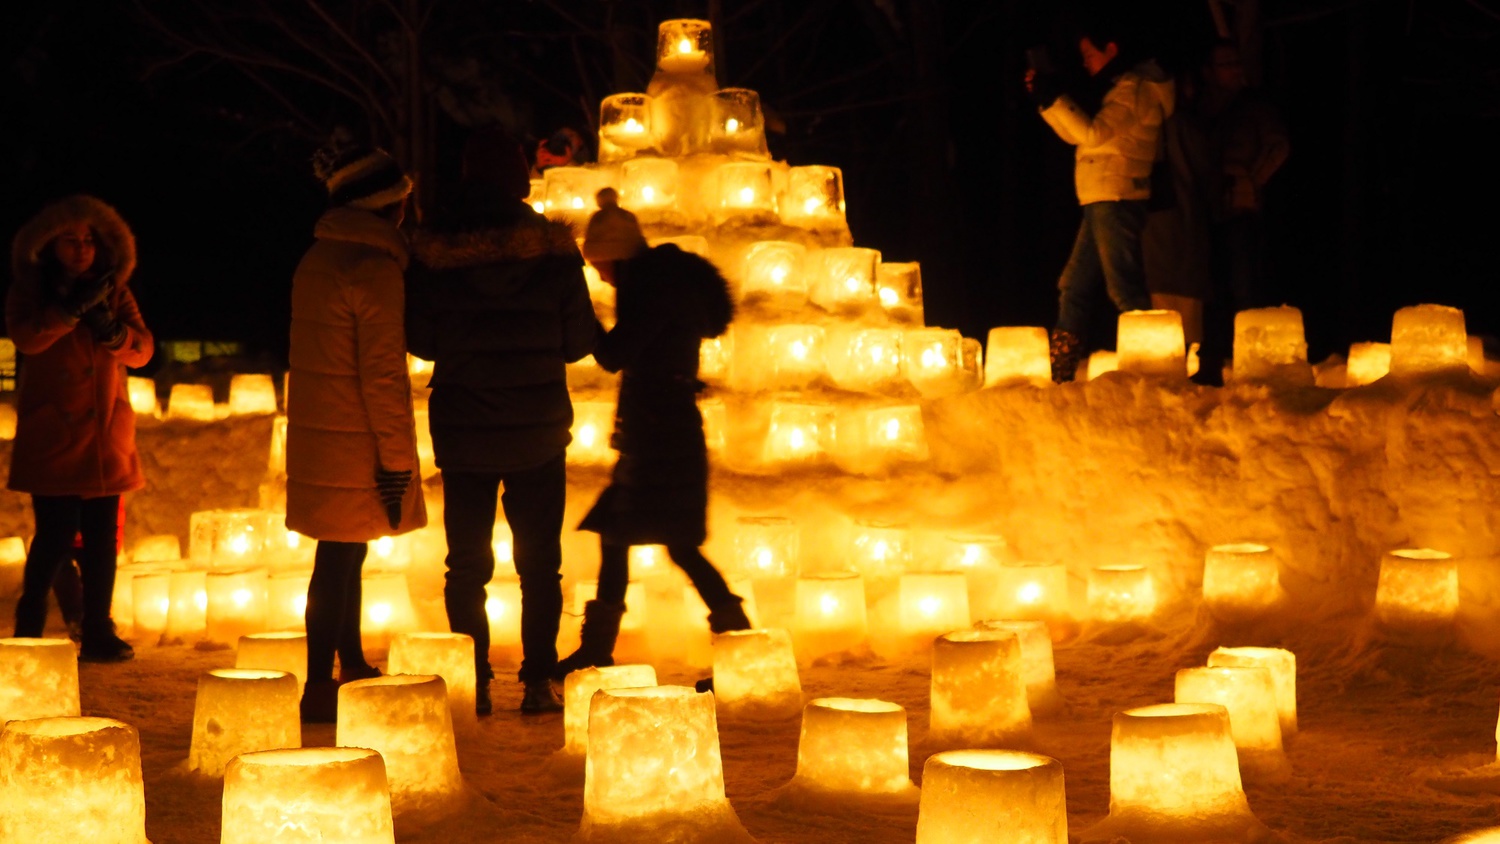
(755, 674)
(194, 402)
(251, 393)
(842, 278)
(1368, 363)
(898, 286)
(387, 609)
(864, 359)
(979, 694)
(814, 198)
(122, 602)
(1101, 362)
(684, 46)
(853, 748)
(744, 191)
(736, 125)
(653, 770)
(715, 423)
(880, 549)
(1240, 580)
(766, 547)
(502, 605)
(774, 269)
(236, 605)
(871, 439)
(578, 694)
(307, 794)
(1017, 355)
(150, 599)
(593, 423)
(1250, 697)
(648, 184)
(12, 551)
(1283, 667)
(798, 433)
(1418, 588)
(933, 360)
(1121, 594)
(8, 421)
(142, 392)
(1476, 354)
(933, 603)
(187, 612)
(274, 652)
(571, 193)
(286, 600)
(38, 679)
(447, 655)
(969, 794)
(1429, 339)
(1037, 666)
(405, 718)
(71, 779)
(830, 615)
(229, 538)
(1151, 343)
(796, 354)
(240, 710)
(972, 551)
(625, 123)
(159, 547)
(1269, 344)
(537, 198)
(1032, 591)
(714, 355)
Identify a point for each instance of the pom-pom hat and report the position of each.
(613, 233)
(361, 177)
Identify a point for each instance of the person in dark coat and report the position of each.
(71, 313)
(667, 302)
(500, 306)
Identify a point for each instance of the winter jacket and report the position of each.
(498, 302)
(1176, 243)
(75, 431)
(349, 405)
(666, 303)
(1116, 147)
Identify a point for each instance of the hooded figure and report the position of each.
(71, 313)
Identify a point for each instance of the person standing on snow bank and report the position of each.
(667, 302)
(71, 313)
(351, 450)
(500, 308)
(1117, 147)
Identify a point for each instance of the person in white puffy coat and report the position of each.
(1116, 148)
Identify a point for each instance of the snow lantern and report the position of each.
(898, 285)
(938, 361)
(880, 549)
(648, 185)
(187, 611)
(766, 547)
(635, 602)
(1018, 354)
(8, 421)
(571, 194)
(322, 793)
(229, 538)
(71, 779)
(251, 393)
(447, 655)
(814, 198)
(684, 46)
(969, 794)
(593, 423)
(578, 693)
(854, 748)
(737, 126)
(142, 392)
(755, 674)
(286, 599)
(1151, 343)
(714, 354)
(864, 359)
(1240, 580)
(842, 278)
(774, 269)
(1254, 720)
(157, 548)
(537, 198)
(624, 126)
(241, 710)
(150, 600)
(1429, 339)
(122, 602)
(1032, 591)
(654, 770)
(979, 690)
(387, 609)
(933, 603)
(1269, 344)
(830, 615)
(278, 651)
(1418, 588)
(798, 433)
(38, 679)
(1101, 362)
(969, 552)
(12, 551)
(1283, 667)
(236, 605)
(1121, 594)
(869, 439)
(1037, 667)
(407, 720)
(502, 604)
(715, 423)
(194, 402)
(743, 192)
(1173, 773)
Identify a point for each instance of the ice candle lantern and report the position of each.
(798, 433)
(571, 194)
(1254, 723)
(830, 615)
(898, 285)
(71, 779)
(625, 125)
(714, 357)
(1269, 344)
(1017, 354)
(684, 46)
(842, 278)
(323, 793)
(240, 710)
(737, 126)
(187, 611)
(1429, 339)
(814, 198)
(387, 608)
(872, 439)
(744, 191)
(979, 690)
(1283, 667)
(251, 393)
(593, 422)
(774, 269)
(1240, 580)
(236, 605)
(447, 655)
(286, 599)
(194, 402)
(578, 694)
(1368, 363)
(933, 603)
(157, 548)
(142, 392)
(1037, 667)
(880, 549)
(1418, 588)
(969, 794)
(502, 605)
(274, 652)
(151, 601)
(1151, 343)
(407, 720)
(229, 538)
(854, 748)
(864, 359)
(766, 547)
(755, 675)
(648, 185)
(537, 198)
(38, 679)
(1121, 594)
(933, 360)
(715, 423)
(796, 353)
(122, 603)
(1032, 591)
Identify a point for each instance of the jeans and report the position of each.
(1107, 251)
(533, 502)
(334, 598)
(614, 574)
(59, 518)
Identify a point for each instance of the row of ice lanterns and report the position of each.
(249, 394)
(629, 126)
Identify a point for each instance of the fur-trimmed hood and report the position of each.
(115, 242)
(526, 239)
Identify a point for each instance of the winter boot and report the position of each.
(482, 704)
(320, 702)
(601, 627)
(100, 644)
(1066, 350)
(363, 671)
(541, 698)
(728, 616)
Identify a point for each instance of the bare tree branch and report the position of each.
(352, 42)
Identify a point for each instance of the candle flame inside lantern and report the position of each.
(932, 358)
(384, 546)
(648, 193)
(810, 205)
(930, 605)
(577, 203)
(1030, 593)
(731, 125)
(747, 195)
(539, 207)
(239, 544)
(300, 604)
(893, 429)
(684, 46)
(764, 558)
(380, 613)
(889, 297)
(587, 435)
(241, 597)
(797, 439)
(778, 274)
(633, 126)
(852, 284)
(828, 604)
(799, 350)
(200, 599)
(973, 555)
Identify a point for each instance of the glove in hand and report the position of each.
(85, 294)
(101, 322)
(392, 488)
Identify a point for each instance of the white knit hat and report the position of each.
(361, 177)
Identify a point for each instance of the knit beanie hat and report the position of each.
(360, 177)
(613, 233)
(493, 158)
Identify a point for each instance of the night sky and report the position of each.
(1387, 200)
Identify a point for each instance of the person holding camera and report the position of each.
(1116, 148)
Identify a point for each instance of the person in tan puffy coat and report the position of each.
(352, 472)
(70, 312)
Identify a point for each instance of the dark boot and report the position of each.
(601, 627)
(100, 644)
(728, 616)
(482, 704)
(541, 698)
(1067, 350)
(320, 702)
(362, 671)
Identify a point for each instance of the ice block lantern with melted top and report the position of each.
(814, 198)
(1017, 354)
(66, 780)
(624, 126)
(967, 795)
(309, 794)
(242, 710)
(979, 694)
(1240, 580)
(737, 127)
(38, 679)
(853, 748)
(1417, 590)
(766, 547)
(1151, 343)
(1429, 339)
(830, 615)
(1270, 346)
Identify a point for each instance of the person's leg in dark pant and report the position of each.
(334, 563)
(469, 525)
(533, 502)
(67, 588)
(1117, 231)
(351, 649)
(1080, 280)
(614, 573)
(56, 525)
(96, 561)
(711, 586)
